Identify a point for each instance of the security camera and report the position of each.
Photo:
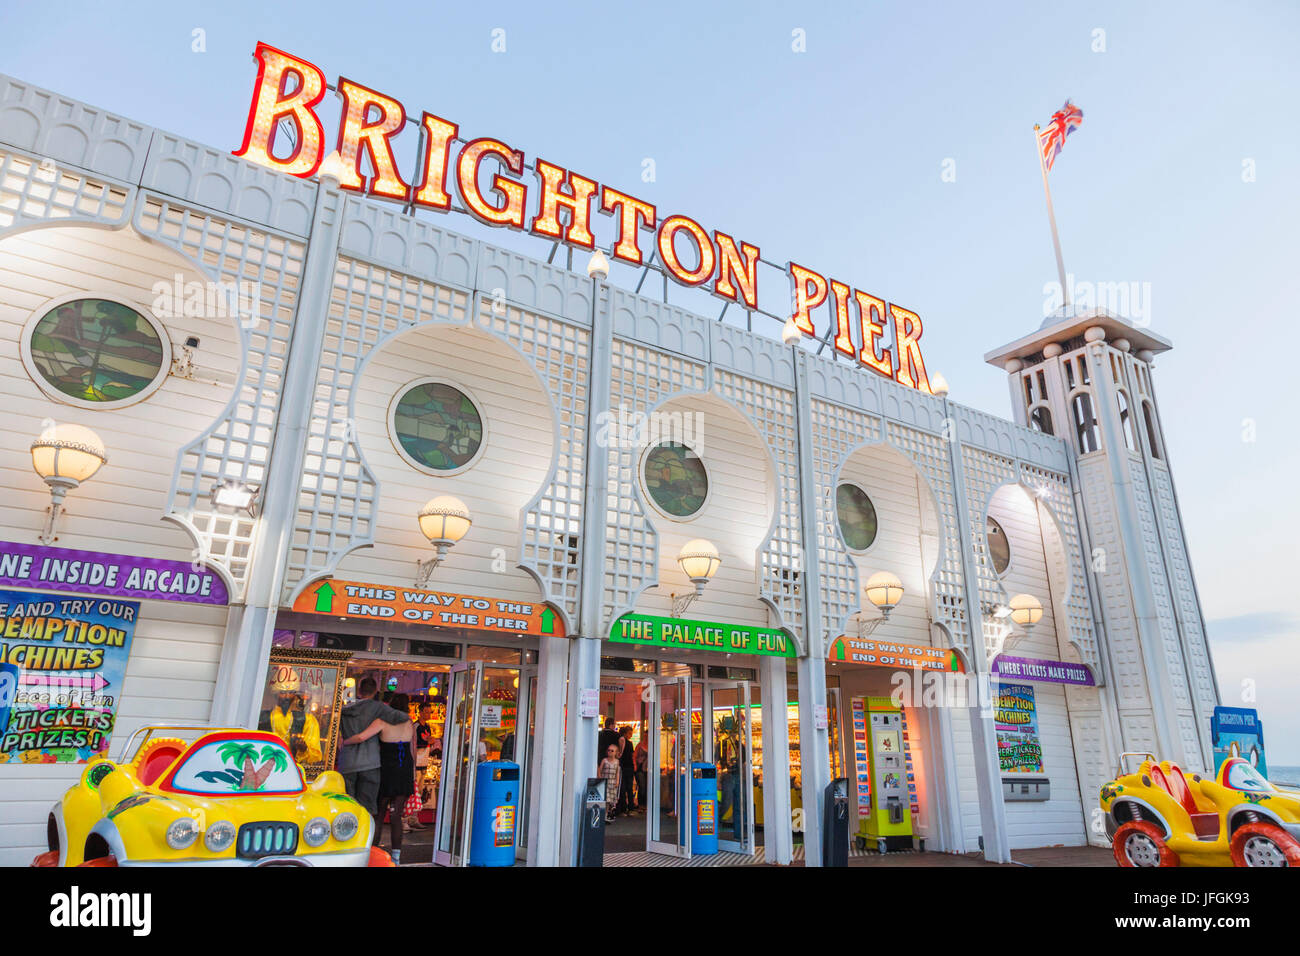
(192, 342)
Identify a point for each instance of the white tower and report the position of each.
(1085, 376)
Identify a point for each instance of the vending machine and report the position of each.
(888, 818)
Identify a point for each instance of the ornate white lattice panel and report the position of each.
(983, 473)
(837, 431)
(772, 412)
(551, 536)
(30, 194)
(1054, 493)
(370, 305)
(640, 378)
(238, 445)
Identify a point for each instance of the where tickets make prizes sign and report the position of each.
(354, 599)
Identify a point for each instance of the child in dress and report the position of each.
(612, 772)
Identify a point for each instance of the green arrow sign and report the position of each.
(548, 621)
(324, 598)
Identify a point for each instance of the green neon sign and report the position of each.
(701, 636)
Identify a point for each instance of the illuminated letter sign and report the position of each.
(272, 102)
(888, 337)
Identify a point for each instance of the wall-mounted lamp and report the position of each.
(444, 520)
(1026, 610)
(884, 590)
(65, 456)
(699, 561)
(232, 495)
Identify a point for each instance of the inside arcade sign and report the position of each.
(881, 336)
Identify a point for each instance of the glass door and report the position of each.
(460, 757)
(732, 749)
(528, 724)
(669, 766)
(834, 737)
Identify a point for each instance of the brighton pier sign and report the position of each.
(289, 90)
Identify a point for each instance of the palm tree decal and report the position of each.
(243, 775)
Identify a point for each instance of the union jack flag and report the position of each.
(1052, 137)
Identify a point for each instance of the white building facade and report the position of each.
(372, 329)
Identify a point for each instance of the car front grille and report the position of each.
(256, 840)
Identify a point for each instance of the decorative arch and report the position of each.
(838, 431)
(985, 475)
(370, 306)
(778, 550)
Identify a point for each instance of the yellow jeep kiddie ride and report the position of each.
(228, 797)
(1160, 816)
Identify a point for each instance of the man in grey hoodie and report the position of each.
(359, 763)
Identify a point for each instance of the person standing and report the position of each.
(359, 763)
(606, 737)
(423, 745)
(626, 765)
(610, 771)
(396, 768)
(641, 759)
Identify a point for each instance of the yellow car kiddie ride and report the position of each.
(1161, 816)
(228, 797)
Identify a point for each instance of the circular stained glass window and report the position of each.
(438, 427)
(675, 479)
(999, 547)
(98, 352)
(857, 517)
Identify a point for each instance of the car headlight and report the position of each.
(182, 833)
(316, 832)
(219, 836)
(345, 827)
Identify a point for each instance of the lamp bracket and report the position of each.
(683, 601)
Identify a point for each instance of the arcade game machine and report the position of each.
(883, 771)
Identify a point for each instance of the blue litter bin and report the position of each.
(496, 804)
(704, 809)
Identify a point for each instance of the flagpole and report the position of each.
(1051, 218)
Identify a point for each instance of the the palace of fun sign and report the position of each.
(559, 206)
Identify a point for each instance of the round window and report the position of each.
(999, 547)
(675, 479)
(96, 352)
(857, 517)
(437, 427)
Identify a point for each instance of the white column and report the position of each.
(988, 769)
(778, 840)
(241, 674)
(546, 788)
(584, 648)
(814, 742)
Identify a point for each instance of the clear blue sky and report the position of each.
(833, 157)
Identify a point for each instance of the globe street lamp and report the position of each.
(699, 561)
(444, 520)
(64, 456)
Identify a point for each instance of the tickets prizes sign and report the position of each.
(62, 663)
